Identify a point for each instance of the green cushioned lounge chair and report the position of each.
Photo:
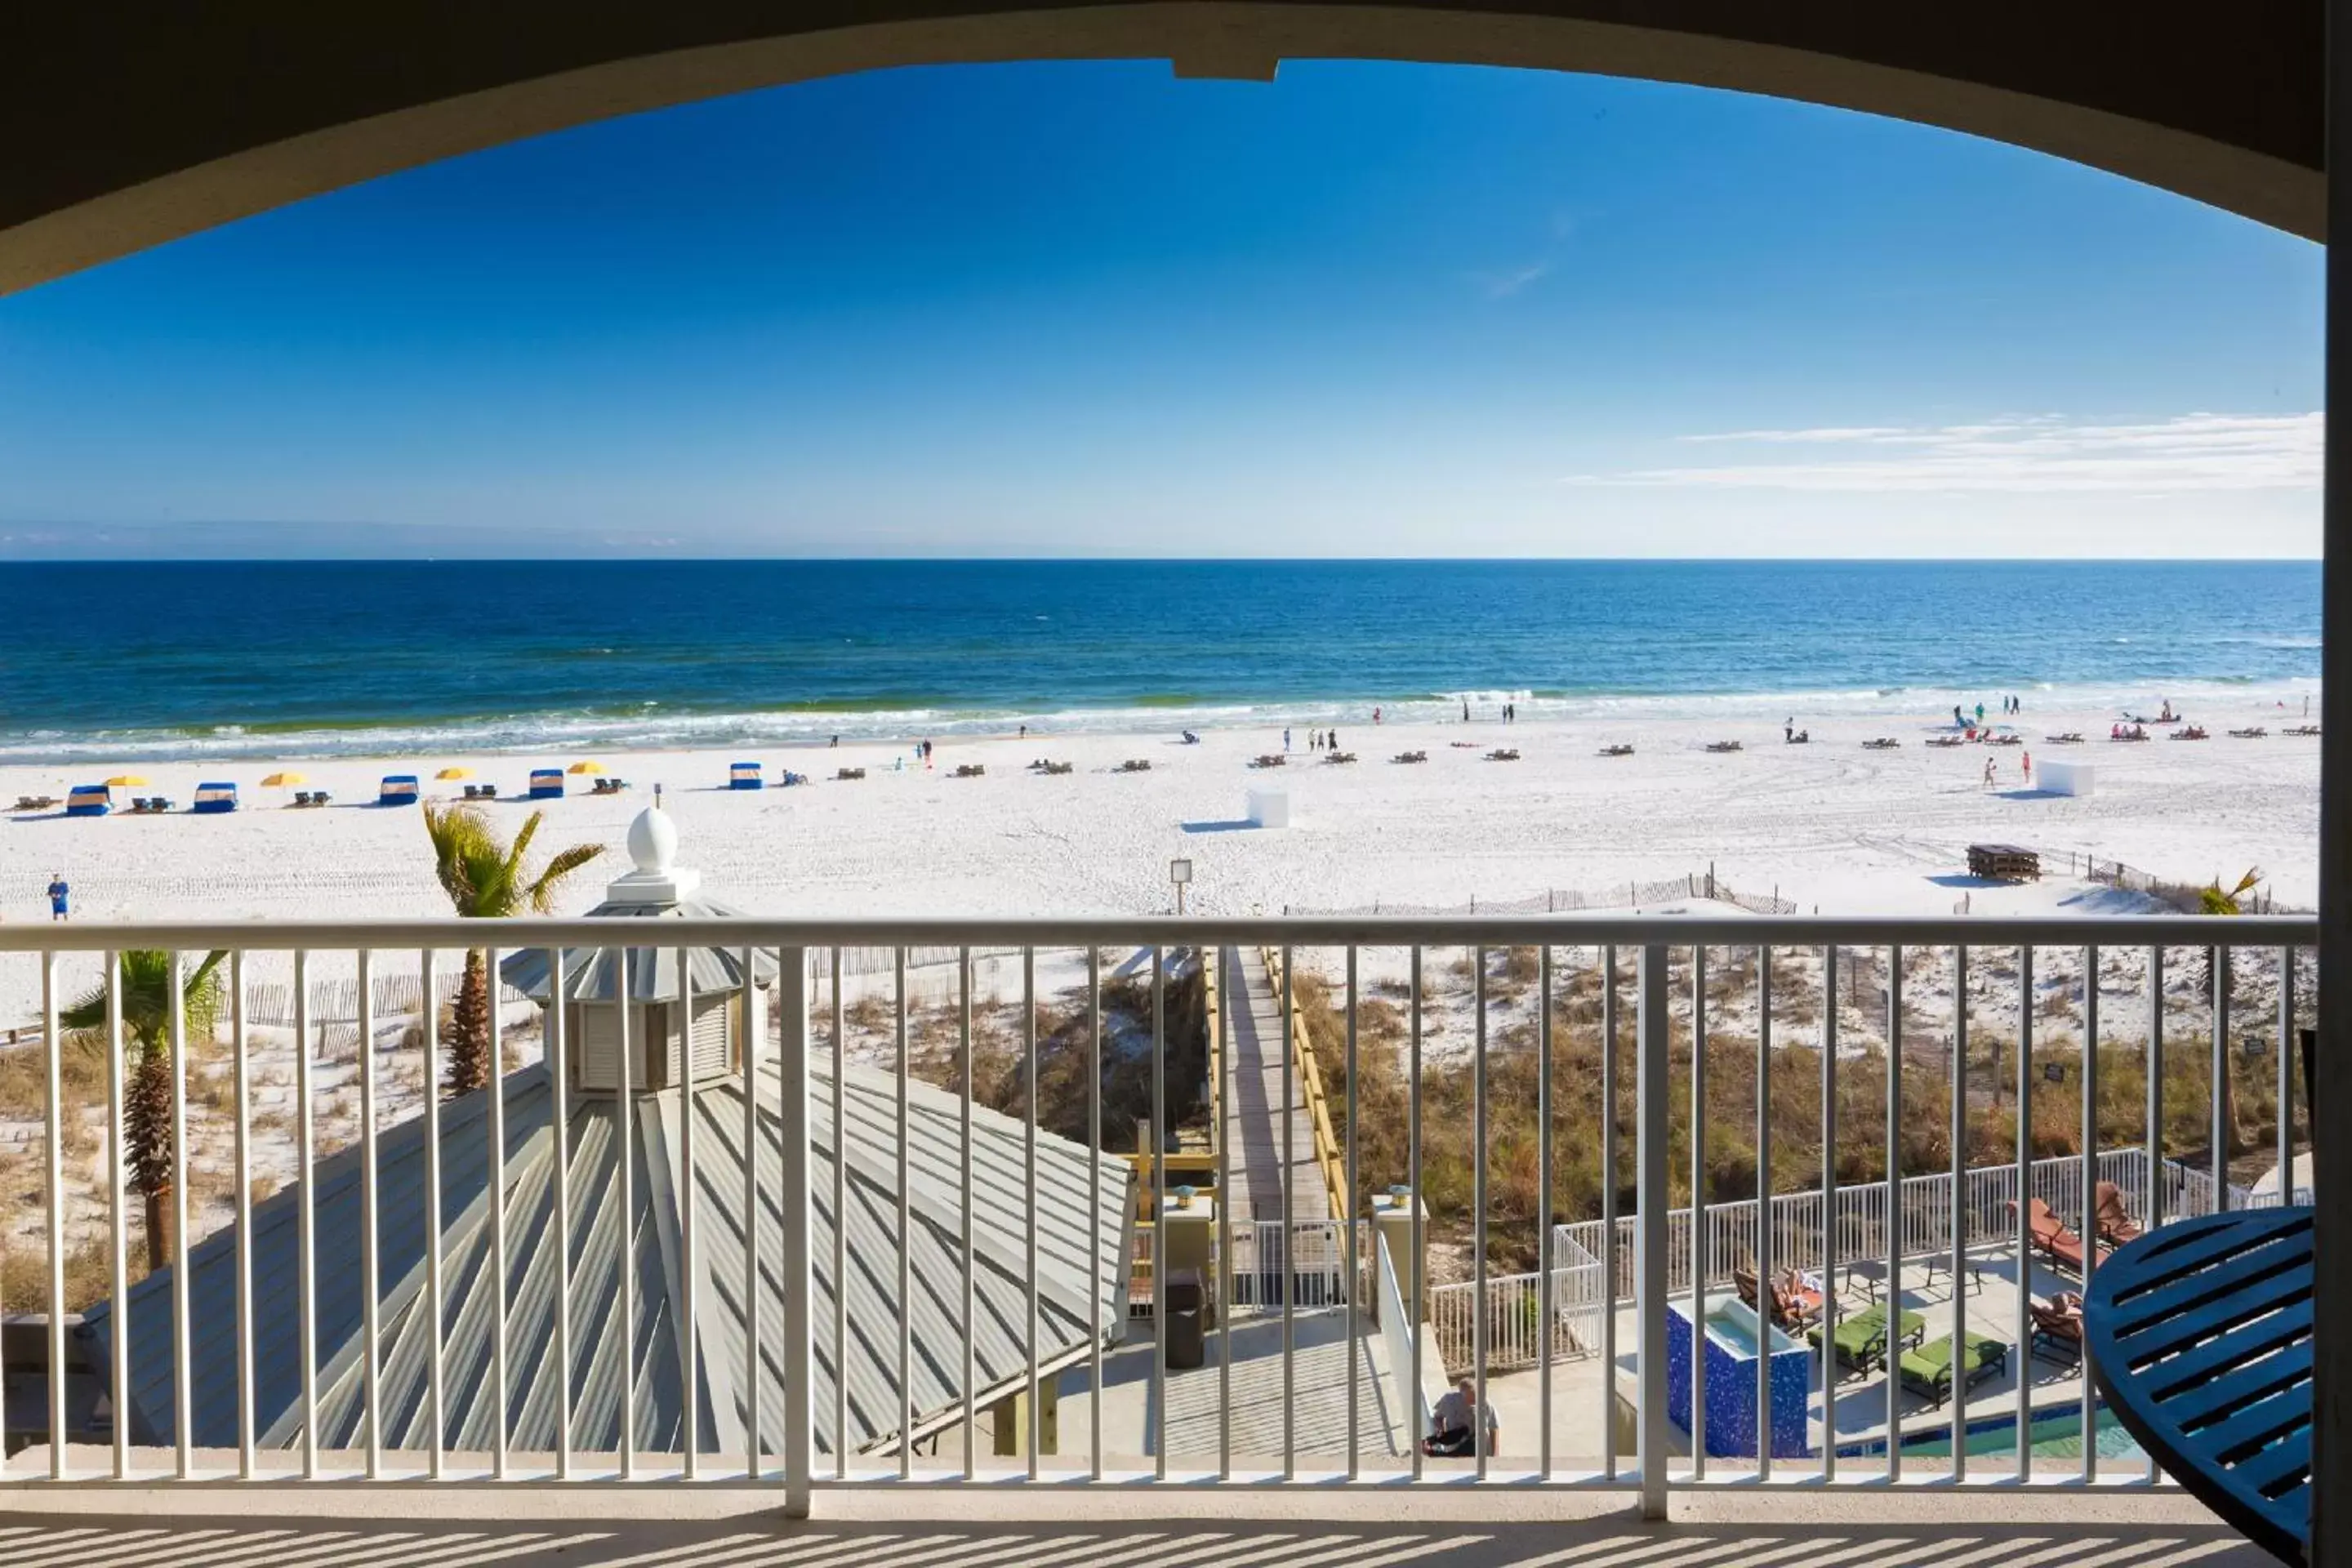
(1927, 1370)
(1861, 1337)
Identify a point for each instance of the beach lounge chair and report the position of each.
(2304, 730)
(848, 773)
(1927, 1370)
(1883, 744)
(2111, 1218)
(2050, 1236)
(1270, 760)
(1724, 746)
(1410, 757)
(2058, 1330)
(1620, 750)
(2255, 734)
(2193, 732)
(1338, 756)
(1860, 1338)
(1503, 754)
(1794, 1307)
(2071, 738)
(1944, 743)
(1134, 765)
(969, 771)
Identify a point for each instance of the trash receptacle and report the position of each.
(1187, 1338)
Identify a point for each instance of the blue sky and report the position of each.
(1091, 309)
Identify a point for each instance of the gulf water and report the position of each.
(158, 659)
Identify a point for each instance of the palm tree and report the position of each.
(146, 980)
(487, 880)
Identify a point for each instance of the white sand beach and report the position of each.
(1828, 825)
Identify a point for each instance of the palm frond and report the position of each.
(543, 890)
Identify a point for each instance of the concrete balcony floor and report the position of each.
(657, 1527)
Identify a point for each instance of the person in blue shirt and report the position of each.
(58, 893)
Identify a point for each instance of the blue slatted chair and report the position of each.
(2200, 1336)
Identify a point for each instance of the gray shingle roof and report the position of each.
(1076, 1301)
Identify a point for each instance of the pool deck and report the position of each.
(1989, 1299)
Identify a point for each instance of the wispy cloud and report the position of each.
(1503, 284)
(2043, 453)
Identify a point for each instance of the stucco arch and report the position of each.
(129, 124)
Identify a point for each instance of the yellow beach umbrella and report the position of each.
(128, 781)
(455, 773)
(587, 767)
(285, 781)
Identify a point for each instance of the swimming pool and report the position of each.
(2056, 1434)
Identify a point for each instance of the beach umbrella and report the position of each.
(285, 781)
(455, 773)
(587, 767)
(128, 781)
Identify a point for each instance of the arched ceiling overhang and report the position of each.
(132, 123)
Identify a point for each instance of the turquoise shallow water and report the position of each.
(2056, 1435)
(163, 659)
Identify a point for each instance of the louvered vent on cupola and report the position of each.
(683, 1012)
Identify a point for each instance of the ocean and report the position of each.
(158, 660)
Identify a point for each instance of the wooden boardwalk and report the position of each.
(1255, 1103)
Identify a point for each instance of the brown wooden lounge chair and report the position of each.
(2058, 1329)
(1794, 1308)
(2113, 1221)
(2051, 1237)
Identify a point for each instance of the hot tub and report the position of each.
(1730, 1369)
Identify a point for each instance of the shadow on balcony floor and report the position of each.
(734, 1530)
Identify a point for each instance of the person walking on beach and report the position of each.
(1331, 741)
(2027, 761)
(1376, 717)
(1959, 719)
(1285, 743)
(59, 893)
(1989, 771)
(1465, 710)
(1980, 715)
(1789, 729)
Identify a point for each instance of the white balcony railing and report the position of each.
(803, 1267)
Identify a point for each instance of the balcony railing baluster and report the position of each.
(2090, 1180)
(1764, 1271)
(2025, 1206)
(1828, 1210)
(435, 1414)
(625, 1157)
(230, 1299)
(1959, 1222)
(1896, 1214)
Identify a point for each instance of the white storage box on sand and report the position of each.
(1269, 807)
(2063, 778)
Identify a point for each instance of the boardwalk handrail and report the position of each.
(1327, 1154)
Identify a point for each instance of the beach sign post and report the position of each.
(1180, 871)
